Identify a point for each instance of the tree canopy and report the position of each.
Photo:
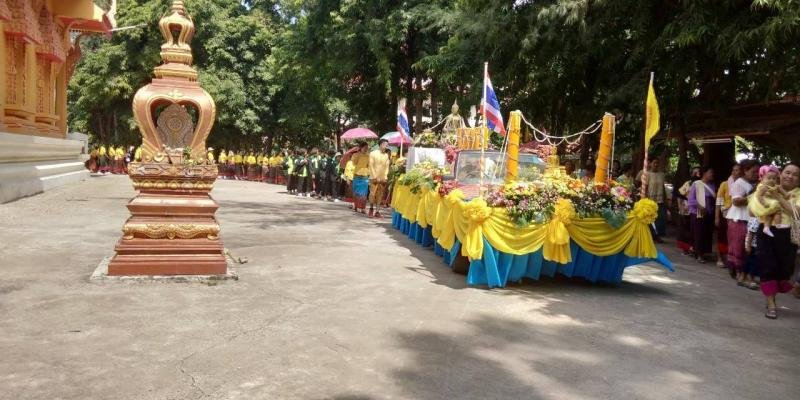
(303, 71)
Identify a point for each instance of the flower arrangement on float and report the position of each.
(427, 138)
(424, 175)
(534, 202)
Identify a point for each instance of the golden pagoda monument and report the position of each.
(172, 230)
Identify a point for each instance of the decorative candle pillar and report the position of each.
(606, 148)
(512, 154)
(172, 230)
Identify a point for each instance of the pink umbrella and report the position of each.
(359, 133)
(397, 139)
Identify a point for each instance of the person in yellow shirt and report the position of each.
(119, 161)
(231, 169)
(361, 177)
(112, 159)
(222, 164)
(239, 163)
(210, 156)
(279, 176)
(102, 159)
(269, 168)
(378, 177)
(252, 166)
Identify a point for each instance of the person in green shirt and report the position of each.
(291, 176)
(315, 169)
(330, 171)
(303, 173)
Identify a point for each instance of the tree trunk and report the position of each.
(418, 126)
(434, 103)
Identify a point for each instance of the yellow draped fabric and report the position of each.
(470, 222)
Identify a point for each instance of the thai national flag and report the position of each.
(490, 107)
(402, 119)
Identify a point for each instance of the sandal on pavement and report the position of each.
(771, 313)
(752, 286)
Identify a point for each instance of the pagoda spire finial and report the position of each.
(177, 27)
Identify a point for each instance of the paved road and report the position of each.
(335, 306)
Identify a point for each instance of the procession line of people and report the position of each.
(111, 159)
(359, 176)
(752, 213)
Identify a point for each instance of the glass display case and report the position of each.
(531, 167)
(469, 168)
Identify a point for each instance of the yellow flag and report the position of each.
(652, 116)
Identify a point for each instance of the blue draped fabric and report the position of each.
(496, 268)
(360, 186)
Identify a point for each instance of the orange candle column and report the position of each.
(606, 147)
(512, 155)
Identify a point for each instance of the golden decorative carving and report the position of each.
(52, 46)
(146, 184)
(42, 84)
(175, 94)
(170, 231)
(24, 19)
(5, 13)
(172, 170)
(178, 29)
(175, 84)
(174, 126)
(12, 47)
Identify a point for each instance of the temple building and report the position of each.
(38, 50)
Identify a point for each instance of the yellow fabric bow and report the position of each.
(556, 245)
(645, 210)
(477, 210)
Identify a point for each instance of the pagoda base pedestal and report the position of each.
(168, 257)
(172, 229)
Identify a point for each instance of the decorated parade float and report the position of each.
(505, 216)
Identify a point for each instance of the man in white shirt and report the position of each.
(738, 216)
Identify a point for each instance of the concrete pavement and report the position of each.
(333, 306)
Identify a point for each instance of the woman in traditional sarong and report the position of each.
(702, 204)
(103, 160)
(113, 156)
(361, 177)
(776, 254)
(222, 164)
(231, 170)
(91, 163)
(721, 223)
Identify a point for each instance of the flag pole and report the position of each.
(643, 193)
(483, 129)
(402, 139)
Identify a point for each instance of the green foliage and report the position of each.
(304, 71)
